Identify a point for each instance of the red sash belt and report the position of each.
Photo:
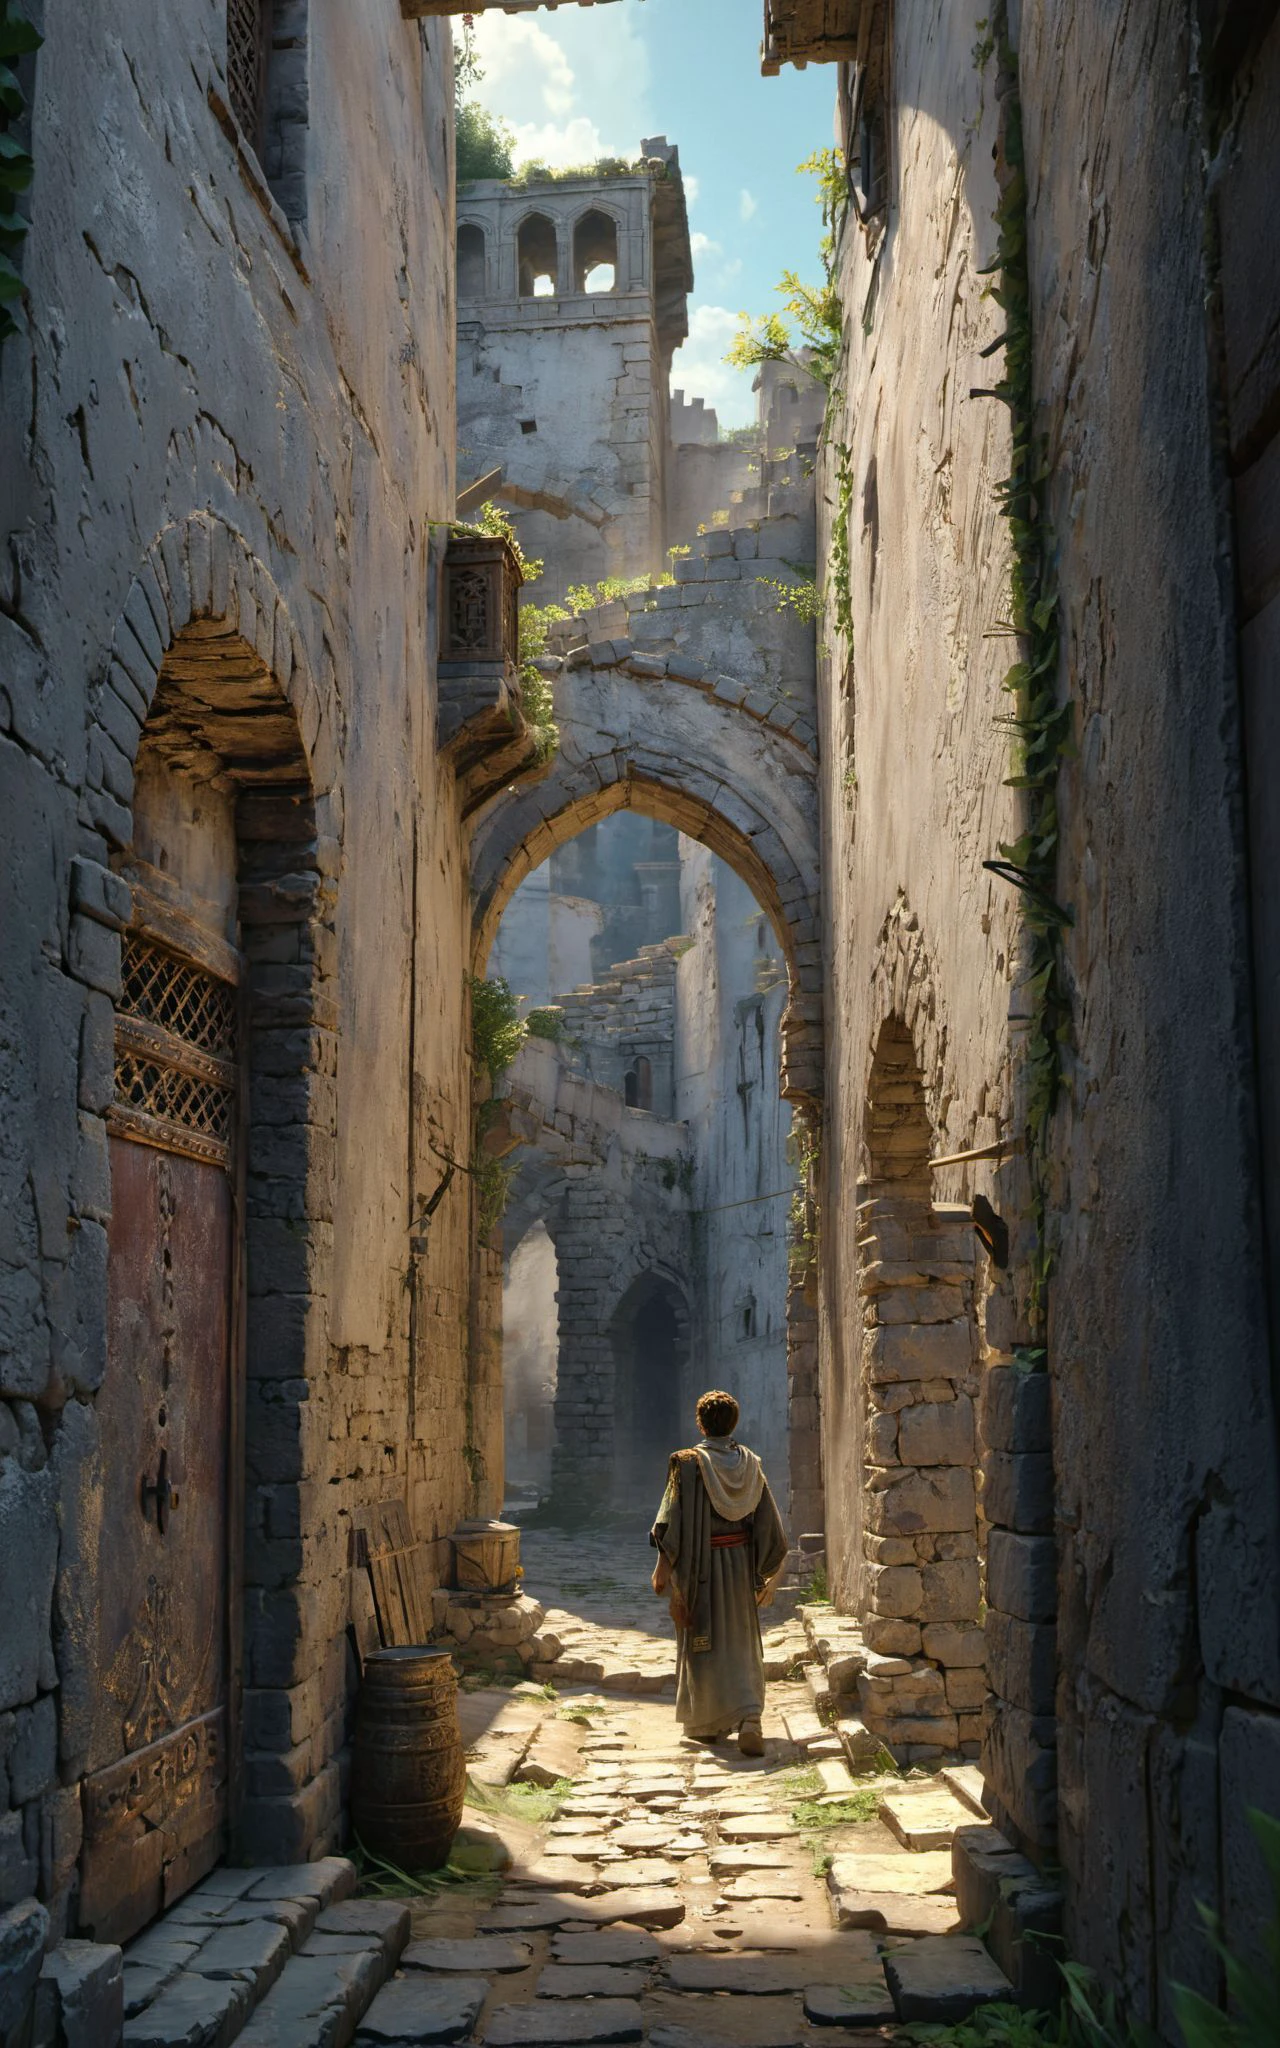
(730, 1541)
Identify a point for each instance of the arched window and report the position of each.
(595, 253)
(537, 258)
(471, 261)
(637, 1084)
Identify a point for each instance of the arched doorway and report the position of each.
(222, 869)
(648, 1336)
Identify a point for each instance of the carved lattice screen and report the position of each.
(245, 25)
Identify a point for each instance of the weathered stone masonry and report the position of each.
(218, 698)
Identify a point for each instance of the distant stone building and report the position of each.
(571, 303)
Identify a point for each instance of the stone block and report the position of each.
(23, 1931)
(890, 1637)
(951, 1591)
(564, 2023)
(954, 1644)
(1022, 1661)
(917, 1305)
(99, 894)
(93, 955)
(1015, 1409)
(255, 1950)
(939, 1497)
(318, 1999)
(895, 1589)
(495, 1954)
(1017, 1490)
(80, 1995)
(942, 1978)
(191, 2012)
(33, 1757)
(1020, 1765)
(937, 1433)
(1022, 1575)
(28, 1553)
(416, 2010)
(916, 1351)
(966, 1690)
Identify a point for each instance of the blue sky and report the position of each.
(584, 82)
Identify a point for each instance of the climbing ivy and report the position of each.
(803, 1151)
(17, 39)
(809, 333)
(1041, 722)
(841, 566)
(536, 699)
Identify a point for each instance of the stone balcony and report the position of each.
(481, 730)
(804, 32)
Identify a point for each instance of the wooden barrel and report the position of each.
(408, 1773)
(485, 1556)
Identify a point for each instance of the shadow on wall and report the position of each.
(649, 1334)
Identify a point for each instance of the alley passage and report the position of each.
(656, 1889)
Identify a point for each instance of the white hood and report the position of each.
(733, 1476)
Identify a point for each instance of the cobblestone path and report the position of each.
(650, 1888)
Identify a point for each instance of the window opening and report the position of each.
(637, 1084)
(471, 261)
(246, 65)
(537, 257)
(595, 253)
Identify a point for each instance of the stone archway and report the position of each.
(702, 752)
(649, 1339)
(733, 765)
(207, 747)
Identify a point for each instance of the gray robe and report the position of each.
(719, 1664)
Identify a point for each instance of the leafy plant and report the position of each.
(836, 1813)
(497, 1032)
(809, 332)
(803, 598)
(17, 39)
(1253, 1989)
(547, 1022)
(532, 1804)
(377, 1877)
(817, 1586)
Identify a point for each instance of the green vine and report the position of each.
(1041, 723)
(803, 1151)
(497, 1034)
(17, 39)
(841, 566)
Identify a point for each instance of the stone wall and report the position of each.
(218, 462)
(1128, 1492)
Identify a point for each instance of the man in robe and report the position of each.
(721, 1548)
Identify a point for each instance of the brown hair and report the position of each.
(717, 1413)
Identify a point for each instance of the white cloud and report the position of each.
(691, 188)
(522, 65)
(542, 83)
(702, 245)
(746, 204)
(699, 368)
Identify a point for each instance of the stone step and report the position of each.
(942, 1978)
(966, 1781)
(279, 1958)
(926, 1818)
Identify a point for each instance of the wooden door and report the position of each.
(155, 1802)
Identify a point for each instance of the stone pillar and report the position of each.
(924, 1685)
(805, 1505)
(583, 1457)
(1019, 1757)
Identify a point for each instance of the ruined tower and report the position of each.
(571, 302)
